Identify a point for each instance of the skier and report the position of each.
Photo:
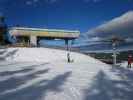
(130, 60)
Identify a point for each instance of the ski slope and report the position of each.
(40, 55)
(44, 74)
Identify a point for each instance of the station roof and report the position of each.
(49, 33)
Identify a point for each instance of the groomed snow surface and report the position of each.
(44, 74)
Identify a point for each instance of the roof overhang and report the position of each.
(44, 33)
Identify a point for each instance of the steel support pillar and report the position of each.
(68, 50)
(114, 54)
(33, 40)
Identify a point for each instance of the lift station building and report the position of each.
(33, 35)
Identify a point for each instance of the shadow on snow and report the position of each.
(35, 91)
(16, 81)
(105, 88)
(7, 53)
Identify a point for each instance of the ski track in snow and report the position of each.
(44, 74)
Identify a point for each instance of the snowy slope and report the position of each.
(44, 74)
(42, 55)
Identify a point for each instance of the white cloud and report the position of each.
(51, 1)
(121, 26)
(29, 2)
(32, 2)
(1, 13)
(35, 1)
(94, 1)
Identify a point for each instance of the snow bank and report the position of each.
(43, 55)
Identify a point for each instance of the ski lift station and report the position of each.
(33, 35)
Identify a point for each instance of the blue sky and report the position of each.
(63, 14)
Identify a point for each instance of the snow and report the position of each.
(44, 74)
(124, 64)
(40, 55)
